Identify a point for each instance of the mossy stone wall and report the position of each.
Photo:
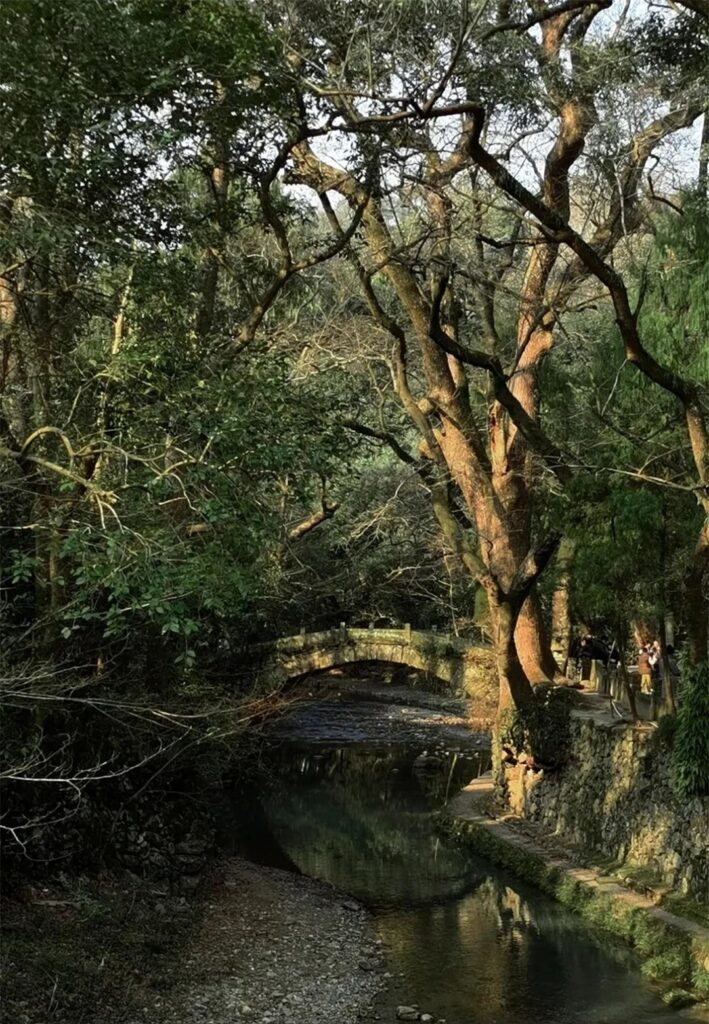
(614, 798)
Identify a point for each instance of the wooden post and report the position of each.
(302, 630)
(407, 632)
(343, 630)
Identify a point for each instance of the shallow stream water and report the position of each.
(464, 940)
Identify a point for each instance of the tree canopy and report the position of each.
(351, 309)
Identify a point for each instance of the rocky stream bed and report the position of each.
(274, 948)
(349, 908)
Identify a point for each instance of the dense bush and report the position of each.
(690, 752)
(540, 729)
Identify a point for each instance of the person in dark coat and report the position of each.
(585, 657)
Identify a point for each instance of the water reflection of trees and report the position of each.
(473, 944)
(365, 828)
(389, 768)
(508, 954)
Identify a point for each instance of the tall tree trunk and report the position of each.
(669, 702)
(533, 647)
(515, 688)
(11, 404)
(703, 177)
(697, 597)
(621, 633)
(561, 603)
(218, 177)
(494, 495)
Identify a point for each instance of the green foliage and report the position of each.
(690, 752)
(633, 535)
(156, 468)
(110, 113)
(676, 304)
(667, 729)
(540, 728)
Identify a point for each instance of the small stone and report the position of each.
(407, 1013)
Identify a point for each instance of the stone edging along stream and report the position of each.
(674, 950)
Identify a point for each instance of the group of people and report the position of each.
(596, 662)
(588, 649)
(651, 668)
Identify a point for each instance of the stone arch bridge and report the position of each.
(466, 665)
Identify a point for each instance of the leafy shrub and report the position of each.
(667, 729)
(541, 728)
(690, 752)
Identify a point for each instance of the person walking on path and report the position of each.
(585, 658)
(645, 670)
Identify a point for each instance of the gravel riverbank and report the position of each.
(254, 945)
(275, 948)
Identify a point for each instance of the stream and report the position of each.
(348, 800)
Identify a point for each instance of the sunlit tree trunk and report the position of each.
(703, 177)
(561, 602)
(533, 643)
(515, 688)
(697, 599)
(620, 640)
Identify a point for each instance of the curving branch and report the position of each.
(561, 231)
(310, 523)
(386, 438)
(289, 266)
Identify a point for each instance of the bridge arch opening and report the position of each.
(376, 671)
(458, 664)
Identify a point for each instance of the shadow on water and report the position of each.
(464, 941)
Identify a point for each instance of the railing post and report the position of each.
(370, 627)
(407, 632)
(302, 630)
(343, 630)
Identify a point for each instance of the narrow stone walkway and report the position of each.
(605, 710)
(471, 807)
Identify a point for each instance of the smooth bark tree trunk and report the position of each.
(697, 598)
(219, 177)
(533, 646)
(703, 177)
(668, 704)
(459, 449)
(629, 692)
(561, 603)
(515, 688)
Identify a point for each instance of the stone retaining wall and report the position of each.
(614, 799)
(159, 837)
